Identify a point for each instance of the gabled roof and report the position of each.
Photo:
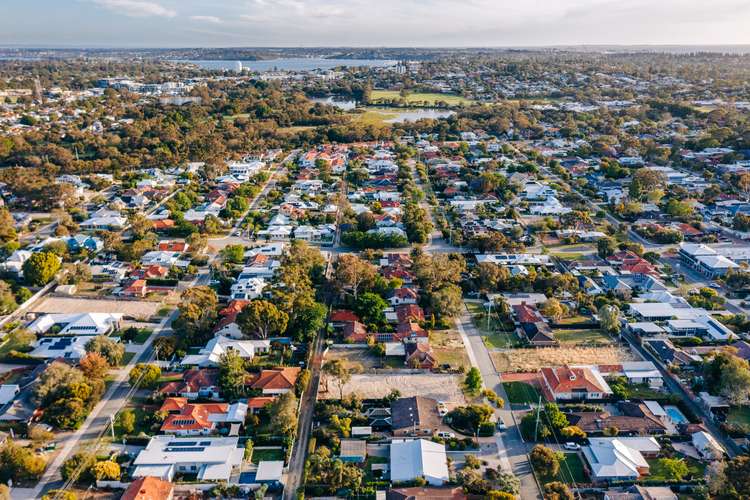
(276, 378)
(568, 379)
(148, 488)
(190, 416)
(192, 381)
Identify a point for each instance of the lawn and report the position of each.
(372, 117)
(449, 348)
(127, 357)
(641, 391)
(658, 473)
(573, 320)
(501, 340)
(521, 392)
(265, 455)
(19, 340)
(368, 467)
(582, 337)
(571, 470)
(567, 255)
(419, 98)
(739, 415)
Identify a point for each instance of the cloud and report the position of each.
(206, 19)
(136, 8)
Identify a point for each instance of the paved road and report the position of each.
(511, 448)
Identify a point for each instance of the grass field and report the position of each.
(571, 470)
(521, 392)
(658, 473)
(501, 340)
(530, 360)
(739, 415)
(266, 455)
(127, 357)
(449, 348)
(419, 98)
(582, 337)
(573, 320)
(372, 117)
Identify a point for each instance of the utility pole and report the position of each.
(489, 313)
(538, 408)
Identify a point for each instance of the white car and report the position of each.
(572, 446)
(501, 426)
(446, 435)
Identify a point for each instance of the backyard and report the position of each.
(449, 348)
(659, 473)
(267, 454)
(571, 471)
(739, 415)
(582, 337)
(498, 335)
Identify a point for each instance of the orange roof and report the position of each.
(567, 379)
(148, 488)
(344, 315)
(260, 401)
(191, 416)
(163, 224)
(277, 378)
(173, 246)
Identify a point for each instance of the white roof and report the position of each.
(704, 441)
(716, 262)
(618, 457)
(664, 310)
(646, 327)
(269, 470)
(214, 456)
(418, 458)
(60, 347)
(211, 354)
(655, 408)
(78, 324)
(8, 393)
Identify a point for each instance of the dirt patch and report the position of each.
(354, 357)
(527, 360)
(370, 386)
(449, 348)
(71, 305)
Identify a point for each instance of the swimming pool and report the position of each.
(675, 415)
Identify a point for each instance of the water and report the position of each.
(413, 115)
(675, 415)
(293, 64)
(337, 102)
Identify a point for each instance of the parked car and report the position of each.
(572, 446)
(446, 435)
(501, 426)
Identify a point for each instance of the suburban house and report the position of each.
(193, 419)
(569, 383)
(403, 296)
(419, 355)
(210, 459)
(707, 445)
(66, 348)
(533, 325)
(620, 458)
(632, 419)
(203, 383)
(149, 488)
(425, 493)
(418, 458)
(276, 380)
(211, 354)
(76, 324)
(705, 260)
(415, 416)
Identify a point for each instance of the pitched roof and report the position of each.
(148, 488)
(343, 315)
(569, 379)
(416, 411)
(526, 313)
(409, 312)
(190, 416)
(277, 378)
(192, 381)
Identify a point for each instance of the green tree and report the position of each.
(232, 375)
(545, 460)
(737, 474)
(675, 468)
(41, 268)
(370, 307)
(126, 421)
(337, 370)
(556, 490)
(233, 254)
(78, 467)
(8, 302)
(555, 417)
(106, 470)
(19, 463)
(144, 375)
(110, 349)
(446, 302)
(284, 414)
(262, 319)
(553, 309)
(473, 379)
(606, 247)
(609, 318)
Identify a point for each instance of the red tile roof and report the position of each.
(276, 378)
(526, 313)
(192, 381)
(191, 417)
(148, 488)
(409, 312)
(344, 315)
(566, 379)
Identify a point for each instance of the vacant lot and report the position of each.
(373, 386)
(449, 348)
(419, 98)
(582, 337)
(521, 392)
(534, 359)
(70, 305)
(354, 357)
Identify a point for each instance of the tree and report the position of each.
(572, 432)
(737, 474)
(284, 414)
(165, 346)
(144, 375)
(470, 418)
(354, 274)
(337, 370)
(106, 470)
(233, 254)
(553, 309)
(40, 436)
(446, 302)
(110, 349)
(8, 302)
(557, 490)
(248, 449)
(555, 417)
(472, 462)
(545, 460)
(66, 413)
(76, 273)
(140, 225)
(677, 208)
(78, 467)
(7, 226)
(606, 247)
(232, 375)
(370, 307)
(41, 268)
(60, 495)
(197, 314)
(19, 463)
(728, 375)
(609, 318)
(262, 319)
(473, 379)
(94, 365)
(646, 180)
(716, 477)
(508, 483)
(56, 377)
(675, 468)
(5, 492)
(126, 421)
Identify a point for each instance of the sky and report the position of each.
(371, 23)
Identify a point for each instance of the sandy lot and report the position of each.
(370, 386)
(69, 305)
(534, 359)
(358, 358)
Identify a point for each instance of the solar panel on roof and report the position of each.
(181, 443)
(194, 448)
(205, 443)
